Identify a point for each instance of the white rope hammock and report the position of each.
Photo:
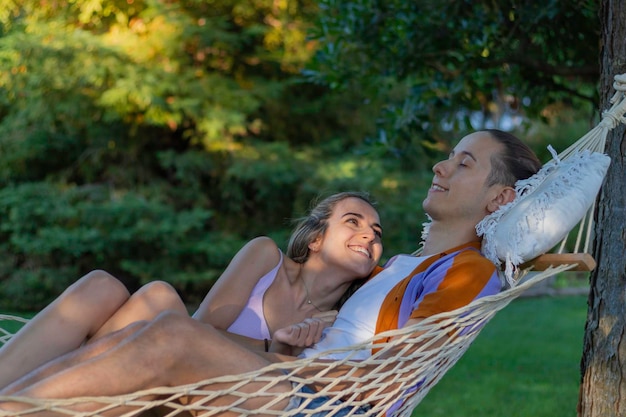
(411, 365)
(399, 375)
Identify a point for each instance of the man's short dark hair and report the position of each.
(516, 162)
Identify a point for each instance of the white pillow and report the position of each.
(548, 205)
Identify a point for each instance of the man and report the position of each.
(476, 179)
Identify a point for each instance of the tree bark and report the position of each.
(603, 365)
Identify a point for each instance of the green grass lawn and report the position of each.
(526, 362)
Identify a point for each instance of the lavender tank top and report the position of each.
(251, 321)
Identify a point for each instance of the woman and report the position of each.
(261, 290)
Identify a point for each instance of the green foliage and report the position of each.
(53, 234)
(430, 65)
(127, 138)
(153, 138)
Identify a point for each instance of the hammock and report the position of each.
(399, 375)
(414, 366)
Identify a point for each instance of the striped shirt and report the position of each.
(409, 287)
(443, 282)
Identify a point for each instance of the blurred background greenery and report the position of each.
(152, 138)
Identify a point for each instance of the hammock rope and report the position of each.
(398, 375)
(595, 141)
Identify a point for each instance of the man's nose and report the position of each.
(440, 168)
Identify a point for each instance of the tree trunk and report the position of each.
(603, 365)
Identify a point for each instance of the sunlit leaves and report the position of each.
(128, 123)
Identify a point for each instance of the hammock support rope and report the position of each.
(398, 376)
(594, 141)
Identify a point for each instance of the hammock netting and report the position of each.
(399, 374)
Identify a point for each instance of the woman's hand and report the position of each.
(292, 339)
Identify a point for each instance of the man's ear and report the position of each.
(505, 196)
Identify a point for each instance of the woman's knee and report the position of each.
(159, 296)
(98, 288)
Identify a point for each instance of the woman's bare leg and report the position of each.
(94, 306)
(63, 325)
(145, 304)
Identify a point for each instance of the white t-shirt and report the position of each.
(356, 321)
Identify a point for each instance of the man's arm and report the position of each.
(172, 350)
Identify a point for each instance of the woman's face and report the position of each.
(353, 237)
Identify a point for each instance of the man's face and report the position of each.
(459, 191)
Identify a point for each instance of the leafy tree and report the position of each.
(152, 138)
(138, 137)
(431, 67)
